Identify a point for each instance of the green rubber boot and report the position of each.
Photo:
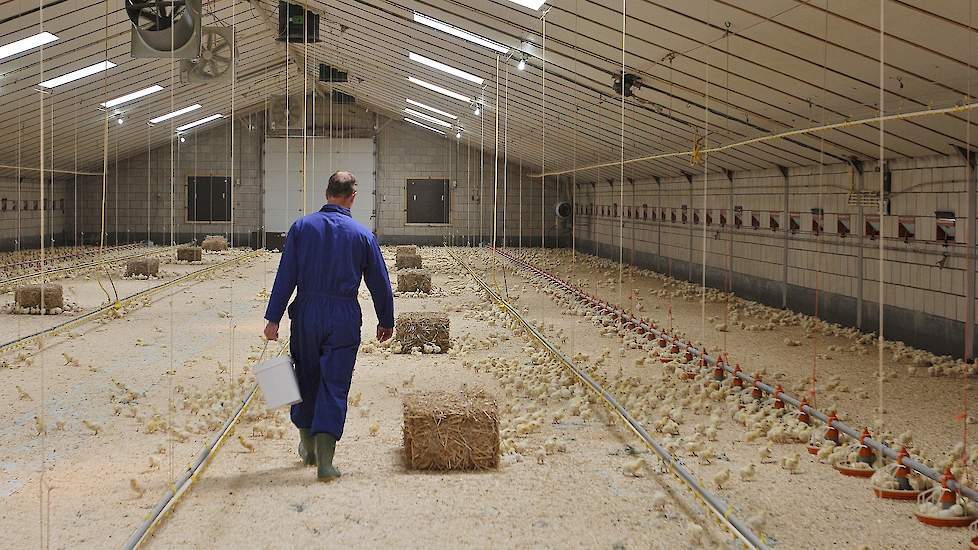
(325, 447)
(307, 447)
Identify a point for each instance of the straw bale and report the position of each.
(414, 280)
(189, 253)
(143, 266)
(408, 261)
(30, 296)
(407, 249)
(451, 431)
(214, 243)
(417, 328)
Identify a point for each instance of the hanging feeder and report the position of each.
(940, 506)
(898, 482)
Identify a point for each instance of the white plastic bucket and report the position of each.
(276, 377)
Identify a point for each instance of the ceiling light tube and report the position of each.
(133, 96)
(24, 44)
(425, 126)
(432, 109)
(176, 113)
(79, 74)
(439, 89)
(461, 33)
(532, 4)
(196, 123)
(429, 118)
(445, 68)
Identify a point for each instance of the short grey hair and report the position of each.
(341, 184)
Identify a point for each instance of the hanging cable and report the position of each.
(882, 170)
(495, 161)
(706, 185)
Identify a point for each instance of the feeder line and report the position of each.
(771, 137)
(646, 327)
(715, 504)
(167, 504)
(7, 283)
(72, 323)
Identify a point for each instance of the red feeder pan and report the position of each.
(813, 450)
(854, 472)
(944, 522)
(896, 494)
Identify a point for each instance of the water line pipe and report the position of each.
(620, 313)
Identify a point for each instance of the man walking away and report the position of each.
(325, 256)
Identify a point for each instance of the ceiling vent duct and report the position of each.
(286, 112)
(297, 24)
(217, 55)
(630, 80)
(332, 74)
(164, 28)
(339, 98)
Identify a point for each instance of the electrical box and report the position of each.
(842, 225)
(775, 221)
(296, 24)
(872, 227)
(946, 225)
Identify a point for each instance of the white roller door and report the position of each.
(283, 178)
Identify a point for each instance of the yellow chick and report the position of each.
(154, 463)
(635, 468)
(136, 487)
(24, 396)
(355, 400)
(721, 478)
(375, 428)
(96, 428)
(747, 473)
(246, 444)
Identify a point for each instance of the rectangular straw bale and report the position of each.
(189, 254)
(214, 243)
(414, 280)
(30, 296)
(407, 249)
(451, 431)
(408, 261)
(417, 328)
(143, 266)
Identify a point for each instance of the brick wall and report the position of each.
(923, 278)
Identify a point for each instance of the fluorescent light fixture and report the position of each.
(439, 89)
(80, 73)
(522, 64)
(446, 68)
(432, 109)
(429, 118)
(425, 126)
(176, 113)
(24, 44)
(532, 4)
(196, 123)
(461, 33)
(133, 96)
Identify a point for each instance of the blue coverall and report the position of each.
(325, 255)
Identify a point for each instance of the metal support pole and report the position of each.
(730, 232)
(969, 271)
(786, 227)
(861, 235)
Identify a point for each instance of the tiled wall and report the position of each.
(922, 276)
(405, 152)
(138, 188)
(20, 227)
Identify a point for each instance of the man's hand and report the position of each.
(384, 333)
(271, 331)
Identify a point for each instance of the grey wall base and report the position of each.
(470, 240)
(938, 335)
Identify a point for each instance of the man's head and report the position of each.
(342, 189)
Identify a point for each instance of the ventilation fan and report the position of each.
(285, 112)
(165, 28)
(216, 57)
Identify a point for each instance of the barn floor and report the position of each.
(262, 497)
